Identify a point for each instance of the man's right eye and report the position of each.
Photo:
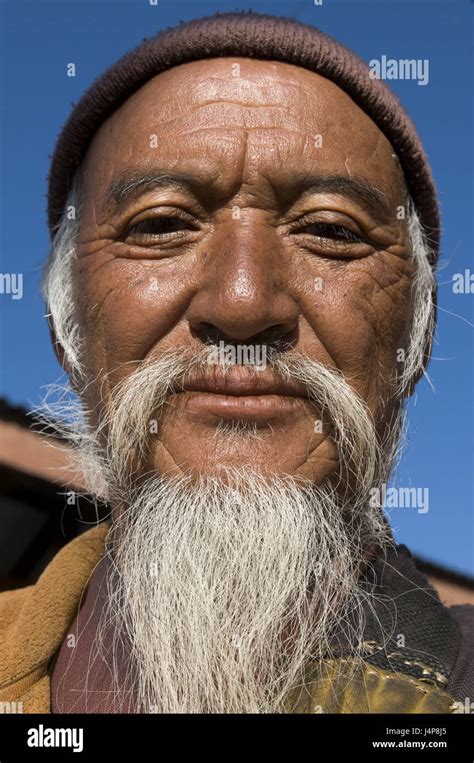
(159, 226)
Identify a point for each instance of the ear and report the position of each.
(426, 354)
(411, 388)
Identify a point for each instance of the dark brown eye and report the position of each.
(159, 226)
(331, 232)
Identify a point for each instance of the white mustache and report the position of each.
(142, 395)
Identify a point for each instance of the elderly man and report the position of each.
(241, 290)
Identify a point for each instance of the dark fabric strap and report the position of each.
(408, 630)
(461, 681)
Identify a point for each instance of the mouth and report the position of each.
(258, 408)
(242, 394)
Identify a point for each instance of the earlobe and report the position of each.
(428, 345)
(411, 388)
(421, 371)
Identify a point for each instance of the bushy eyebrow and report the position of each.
(359, 189)
(130, 185)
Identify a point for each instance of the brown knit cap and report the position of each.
(247, 35)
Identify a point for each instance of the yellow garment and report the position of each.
(35, 620)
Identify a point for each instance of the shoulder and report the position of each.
(72, 561)
(464, 614)
(11, 603)
(34, 619)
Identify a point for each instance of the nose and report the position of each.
(243, 294)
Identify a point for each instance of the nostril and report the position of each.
(207, 333)
(276, 336)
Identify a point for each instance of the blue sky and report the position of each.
(38, 40)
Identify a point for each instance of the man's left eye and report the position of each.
(331, 232)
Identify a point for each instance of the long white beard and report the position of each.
(223, 589)
(224, 593)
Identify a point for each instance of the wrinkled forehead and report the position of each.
(242, 120)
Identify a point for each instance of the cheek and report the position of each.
(359, 313)
(128, 306)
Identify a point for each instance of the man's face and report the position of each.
(276, 221)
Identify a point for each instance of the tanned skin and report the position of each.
(285, 227)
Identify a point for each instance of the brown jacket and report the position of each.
(35, 620)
